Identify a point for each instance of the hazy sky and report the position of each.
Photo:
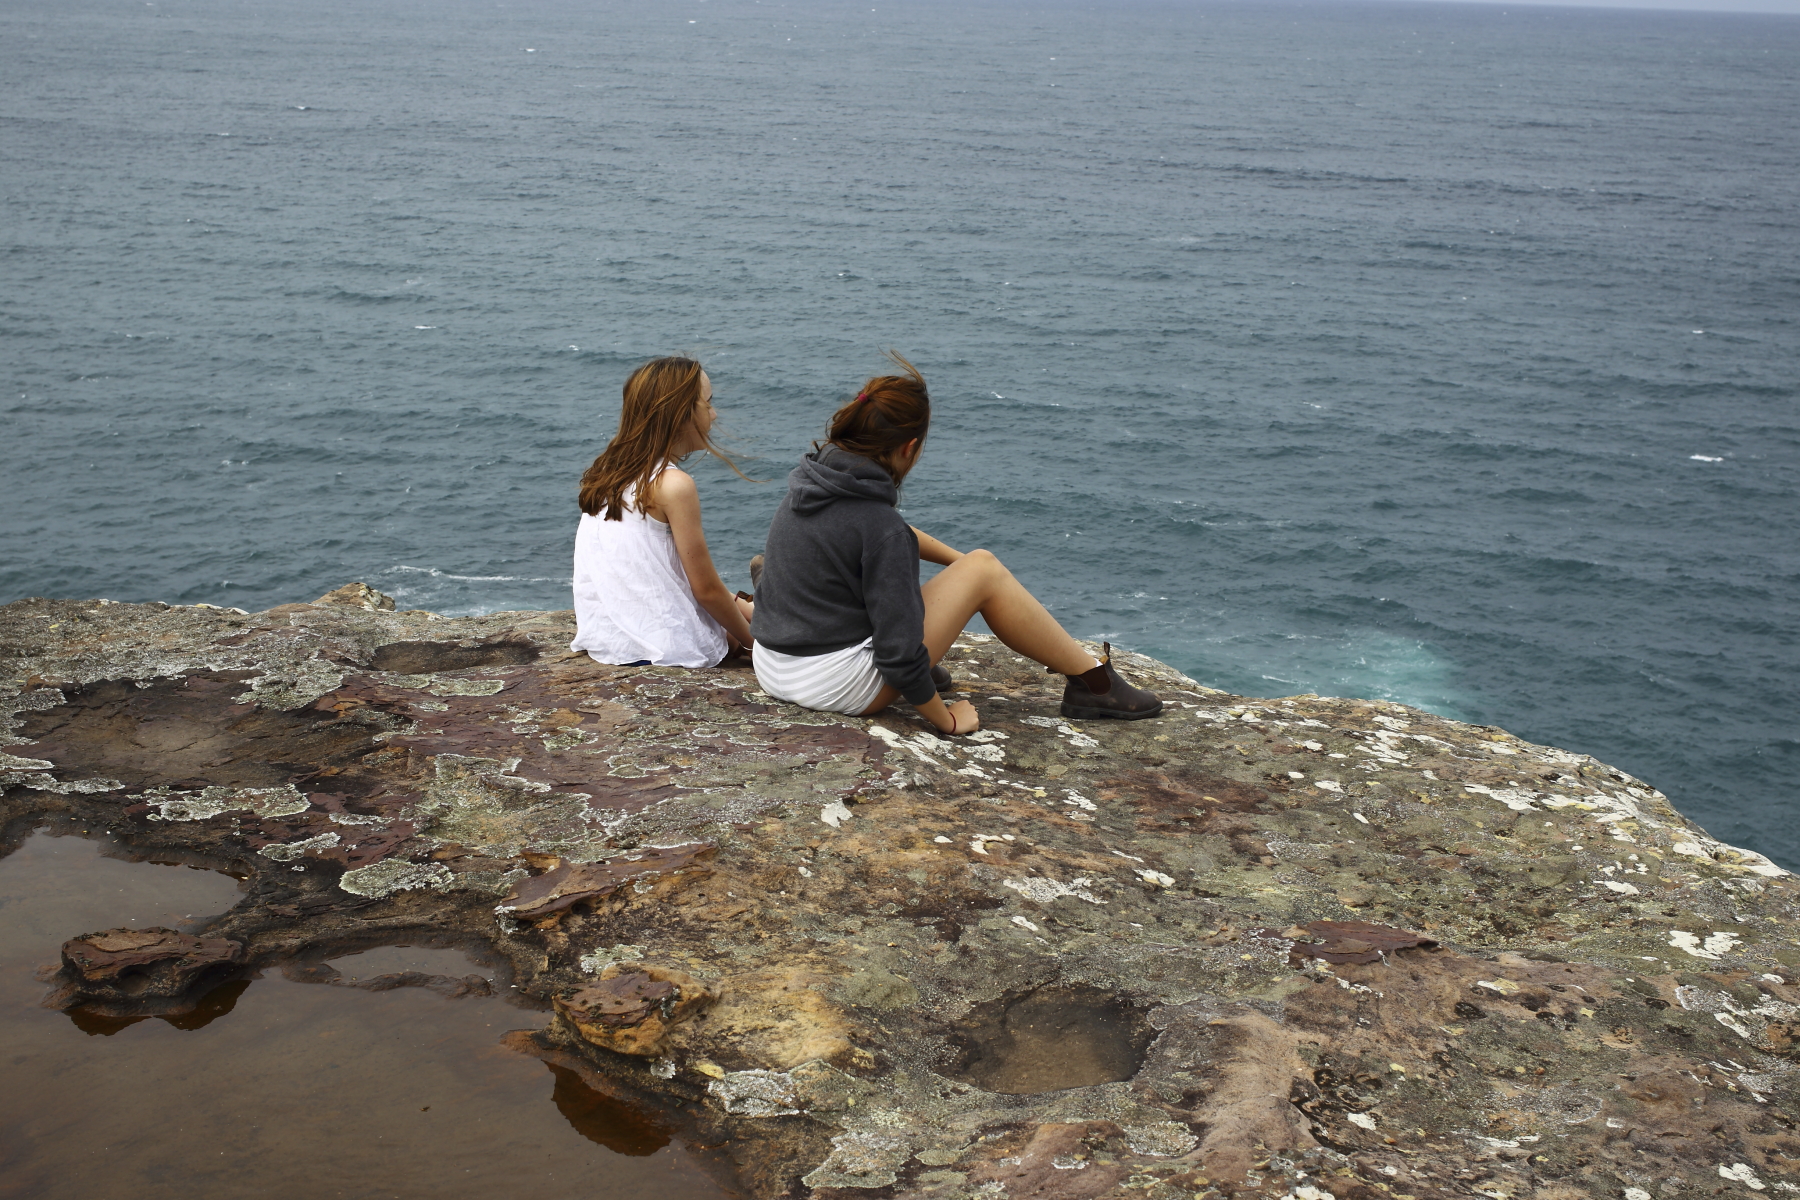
(1763, 6)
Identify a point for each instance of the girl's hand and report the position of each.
(957, 718)
(963, 718)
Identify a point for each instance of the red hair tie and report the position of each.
(862, 397)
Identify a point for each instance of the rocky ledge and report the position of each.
(1303, 947)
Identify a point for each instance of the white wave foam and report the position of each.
(1373, 664)
(437, 574)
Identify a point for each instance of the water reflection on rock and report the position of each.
(215, 1004)
(386, 1083)
(605, 1121)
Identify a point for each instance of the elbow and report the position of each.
(711, 597)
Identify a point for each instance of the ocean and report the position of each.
(1438, 353)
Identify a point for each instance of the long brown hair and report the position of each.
(889, 411)
(661, 398)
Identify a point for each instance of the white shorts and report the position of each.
(844, 681)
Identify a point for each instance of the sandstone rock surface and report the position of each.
(1297, 947)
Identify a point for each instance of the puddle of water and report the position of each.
(393, 960)
(1049, 1040)
(280, 1089)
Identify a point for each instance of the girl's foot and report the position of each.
(941, 678)
(1102, 692)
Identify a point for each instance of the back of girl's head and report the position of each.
(889, 412)
(660, 401)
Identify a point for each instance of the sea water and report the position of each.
(1439, 353)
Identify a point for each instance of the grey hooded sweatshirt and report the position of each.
(841, 564)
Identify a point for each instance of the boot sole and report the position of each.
(1113, 714)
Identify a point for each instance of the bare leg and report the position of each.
(979, 583)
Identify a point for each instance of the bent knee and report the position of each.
(985, 559)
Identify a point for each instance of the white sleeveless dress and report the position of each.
(632, 597)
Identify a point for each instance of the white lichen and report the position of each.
(863, 1159)
(1165, 1139)
(597, 960)
(34, 773)
(1716, 945)
(292, 686)
(395, 875)
(1741, 1173)
(289, 851)
(169, 805)
(1045, 890)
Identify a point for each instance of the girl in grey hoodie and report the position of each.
(841, 623)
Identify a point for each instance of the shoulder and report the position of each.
(673, 485)
(891, 535)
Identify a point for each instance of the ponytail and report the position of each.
(889, 412)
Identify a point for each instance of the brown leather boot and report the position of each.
(1102, 692)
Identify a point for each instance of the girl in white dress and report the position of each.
(646, 590)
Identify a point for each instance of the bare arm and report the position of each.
(675, 498)
(933, 551)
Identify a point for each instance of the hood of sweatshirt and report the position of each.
(826, 476)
